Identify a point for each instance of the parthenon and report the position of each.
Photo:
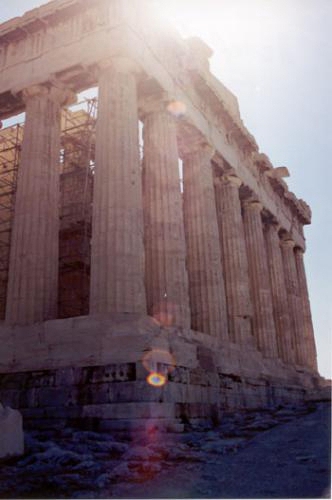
(142, 232)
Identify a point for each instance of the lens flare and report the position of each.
(164, 313)
(154, 356)
(177, 108)
(156, 379)
(164, 318)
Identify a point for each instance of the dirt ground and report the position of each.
(291, 460)
(282, 452)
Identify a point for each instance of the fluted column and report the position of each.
(235, 262)
(206, 284)
(263, 322)
(33, 267)
(117, 252)
(165, 249)
(294, 300)
(279, 294)
(308, 326)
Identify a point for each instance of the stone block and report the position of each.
(116, 392)
(139, 391)
(213, 394)
(194, 394)
(175, 427)
(93, 394)
(13, 380)
(206, 358)
(140, 428)
(11, 432)
(179, 374)
(68, 413)
(174, 392)
(33, 413)
(198, 376)
(68, 376)
(321, 394)
(10, 397)
(123, 350)
(184, 352)
(44, 378)
(57, 396)
(129, 410)
(29, 398)
(187, 411)
(119, 372)
(44, 424)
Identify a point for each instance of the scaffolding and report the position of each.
(76, 186)
(10, 148)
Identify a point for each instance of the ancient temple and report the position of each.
(151, 256)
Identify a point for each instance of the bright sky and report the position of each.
(276, 57)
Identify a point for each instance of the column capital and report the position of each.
(287, 243)
(273, 224)
(202, 148)
(33, 91)
(299, 251)
(231, 179)
(163, 103)
(119, 64)
(252, 205)
(57, 94)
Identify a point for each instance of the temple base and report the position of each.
(93, 372)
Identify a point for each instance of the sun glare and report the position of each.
(241, 29)
(188, 16)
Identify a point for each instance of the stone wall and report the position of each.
(103, 384)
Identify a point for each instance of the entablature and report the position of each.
(64, 40)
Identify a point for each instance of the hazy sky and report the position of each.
(276, 57)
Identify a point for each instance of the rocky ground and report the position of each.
(278, 453)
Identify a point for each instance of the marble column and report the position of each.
(165, 247)
(117, 251)
(33, 267)
(235, 260)
(260, 288)
(206, 284)
(308, 326)
(294, 300)
(279, 293)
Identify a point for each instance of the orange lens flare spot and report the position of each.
(164, 313)
(177, 108)
(163, 318)
(156, 379)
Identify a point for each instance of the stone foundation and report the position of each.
(92, 372)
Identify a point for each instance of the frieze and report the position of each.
(55, 33)
(47, 28)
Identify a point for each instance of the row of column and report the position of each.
(207, 265)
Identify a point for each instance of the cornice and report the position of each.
(219, 101)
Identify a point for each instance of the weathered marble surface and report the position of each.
(11, 432)
(154, 249)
